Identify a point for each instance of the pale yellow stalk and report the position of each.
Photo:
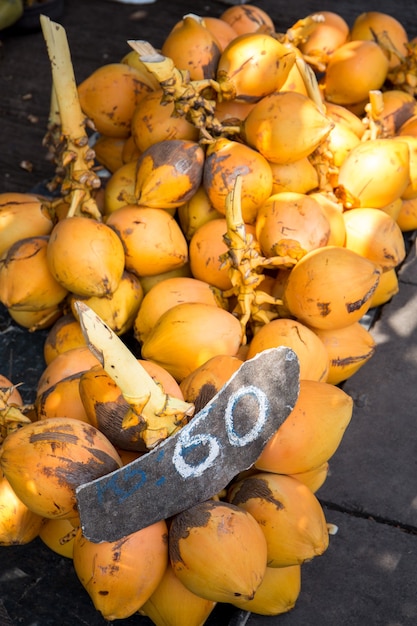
(164, 414)
(77, 157)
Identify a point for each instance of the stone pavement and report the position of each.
(368, 575)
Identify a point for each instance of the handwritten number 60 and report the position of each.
(251, 435)
(187, 440)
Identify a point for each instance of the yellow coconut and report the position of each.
(289, 515)
(225, 159)
(62, 399)
(153, 121)
(167, 294)
(46, 461)
(334, 213)
(340, 114)
(218, 551)
(311, 353)
(331, 287)
(383, 28)
(209, 378)
(291, 223)
(374, 235)
(79, 266)
(192, 47)
(252, 66)
(172, 604)
(189, 334)
(300, 176)
(349, 348)
(58, 535)
(353, 70)
(22, 215)
(328, 34)
(407, 216)
(277, 593)
(196, 212)
(65, 334)
(152, 239)
(314, 478)
(312, 432)
(286, 126)
(18, 523)
(26, 281)
(387, 288)
(121, 575)
(119, 310)
(375, 173)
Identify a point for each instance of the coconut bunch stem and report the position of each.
(322, 157)
(194, 100)
(299, 33)
(404, 75)
(76, 158)
(246, 267)
(52, 141)
(376, 126)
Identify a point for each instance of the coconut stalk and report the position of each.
(246, 265)
(76, 158)
(404, 74)
(52, 138)
(298, 33)
(161, 414)
(189, 96)
(322, 157)
(377, 127)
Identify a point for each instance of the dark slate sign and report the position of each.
(223, 439)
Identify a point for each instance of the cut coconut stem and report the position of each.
(146, 398)
(72, 117)
(175, 83)
(311, 84)
(188, 96)
(53, 132)
(378, 127)
(245, 265)
(77, 158)
(302, 29)
(161, 67)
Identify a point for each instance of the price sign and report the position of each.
(223, 439)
